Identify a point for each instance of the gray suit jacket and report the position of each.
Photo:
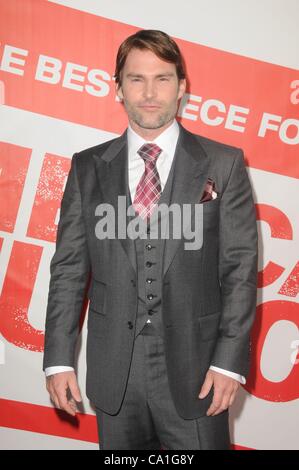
(214, 286)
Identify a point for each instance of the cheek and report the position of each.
(170, 94)
(132, 96)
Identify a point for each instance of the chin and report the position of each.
(154, 124)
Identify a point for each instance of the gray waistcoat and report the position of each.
(149, 267)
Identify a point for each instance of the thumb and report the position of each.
(74, 388)
(206, 385)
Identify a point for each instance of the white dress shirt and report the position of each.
(167, 142)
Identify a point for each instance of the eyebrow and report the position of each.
(139, 75)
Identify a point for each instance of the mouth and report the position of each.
(149, 107)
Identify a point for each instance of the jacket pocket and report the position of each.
(97, 296)
(212, 203)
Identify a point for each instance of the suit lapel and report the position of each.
(189, 178)
(112, 175)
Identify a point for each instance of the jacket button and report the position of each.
(150, 296)
(150, 312)
(130, 324)
(148, 246)
(149, 280)
(148, 264)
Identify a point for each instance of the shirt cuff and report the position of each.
(233, 375)
(57, 369)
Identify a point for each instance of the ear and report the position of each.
(119, 91)
(182, 87)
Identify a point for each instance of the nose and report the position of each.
(149, 90)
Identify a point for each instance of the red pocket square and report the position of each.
(210, 192)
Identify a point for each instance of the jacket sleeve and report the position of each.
(69, 269)
(238, 256)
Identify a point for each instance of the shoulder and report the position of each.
(99, 150)
(215, 149)
(219, 149)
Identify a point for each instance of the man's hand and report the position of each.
(58, 386)
(225, 389)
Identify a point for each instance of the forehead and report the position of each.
(145, 61)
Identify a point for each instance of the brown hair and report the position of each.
(156, 41)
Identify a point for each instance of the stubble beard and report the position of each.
(149, 123)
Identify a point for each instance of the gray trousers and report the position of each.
(147, 419)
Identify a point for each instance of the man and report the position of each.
(168, 327)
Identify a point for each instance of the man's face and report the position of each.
(150, 90)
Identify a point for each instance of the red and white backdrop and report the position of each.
(57, 97)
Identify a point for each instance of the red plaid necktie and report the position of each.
(148, 190)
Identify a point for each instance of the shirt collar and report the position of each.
(166, 140)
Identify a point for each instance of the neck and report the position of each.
(149, 134)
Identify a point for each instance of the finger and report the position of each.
(73, 404)
(224, 404)
(63, 401)
(54, 399)
(207, 385)
(74, 388)
(66, 406)
(222, 398)
(216, 403)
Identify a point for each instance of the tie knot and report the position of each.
(149, 152)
